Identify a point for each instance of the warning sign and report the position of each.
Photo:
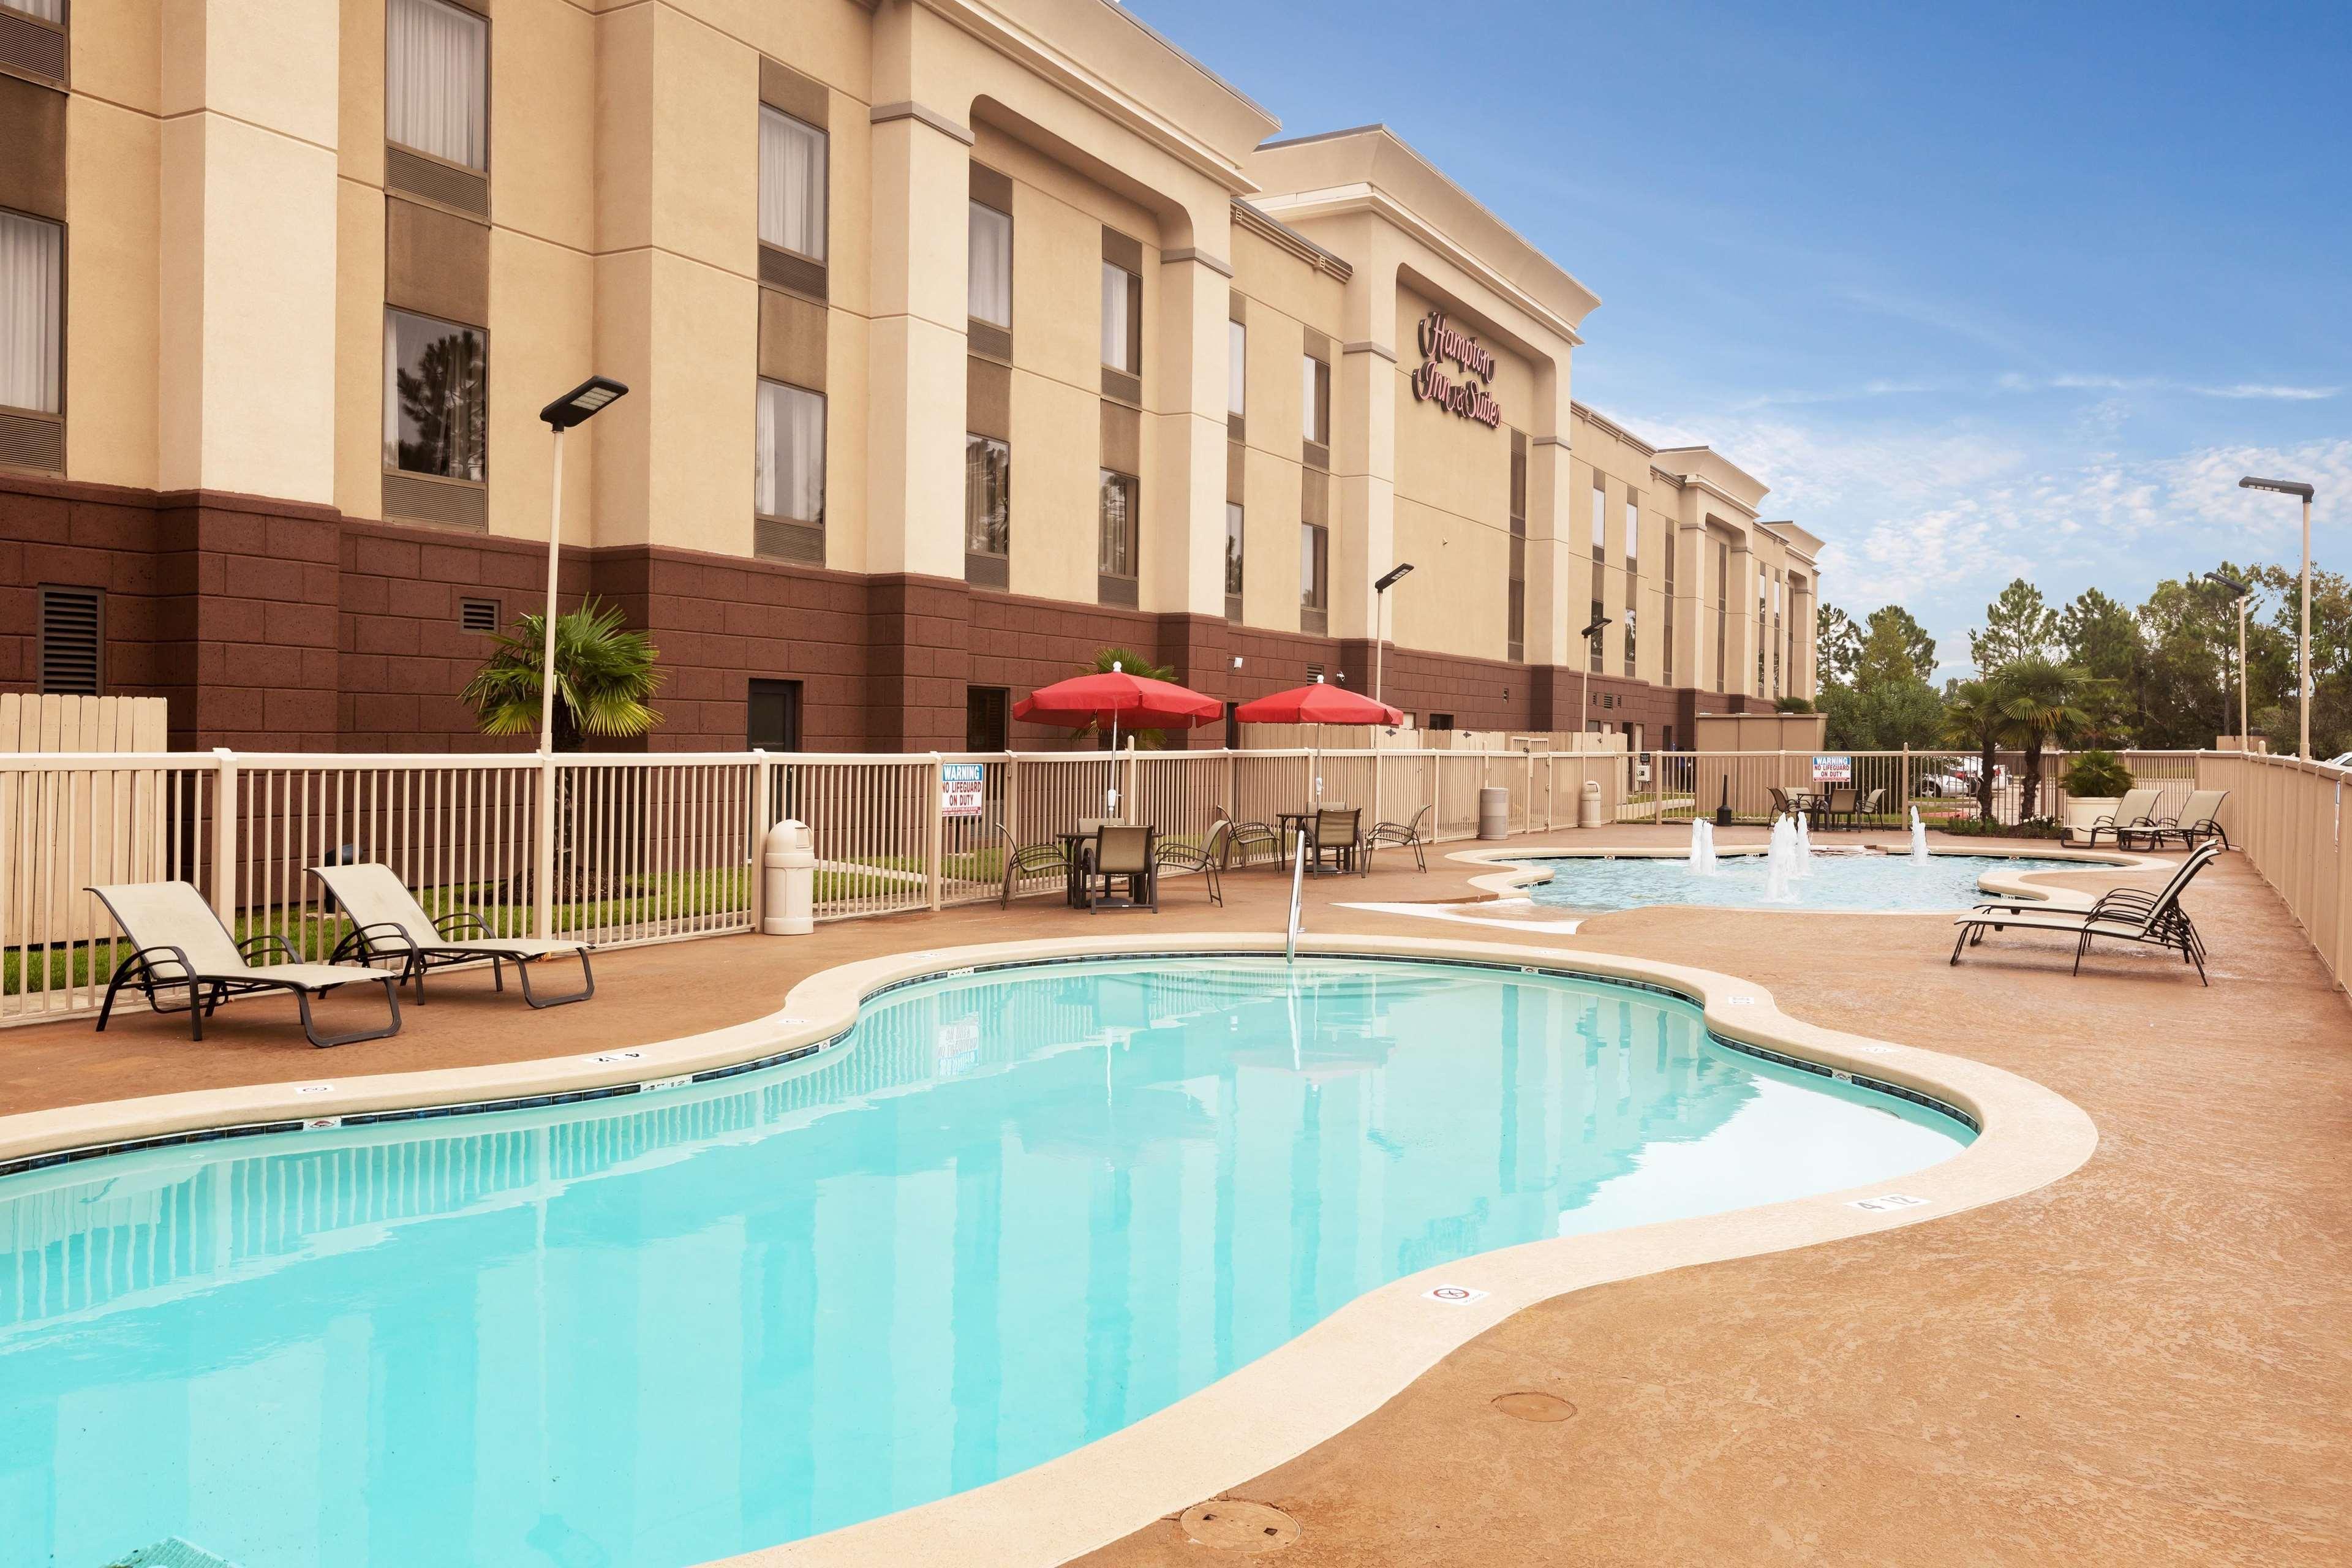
(962, 786)
(1833, 770)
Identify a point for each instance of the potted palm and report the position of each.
(2094, 784)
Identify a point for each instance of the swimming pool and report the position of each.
(1015, 1211)
(1844, 881)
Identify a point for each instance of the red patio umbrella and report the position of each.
(1118, 699)
(1318, 704)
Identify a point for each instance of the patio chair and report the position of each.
(1841, 802)
(182, 942)
(1122, 852)
(1399, 836)
(2113, 899)
(2124, 914)
(1781, 804)
(1249, 838)
(1870, 805)
(1208, 858)
(1339, 833)
(2198, 821)
(2135, 810)
(388, 922)
(1030, 860)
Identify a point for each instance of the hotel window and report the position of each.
(1233, 561)
(987, 508)
(1315, 392)
(1666, 642)
(436, 102)
(32, 330)
(791, 184)
(1633, 574)
(1122, 319)
(788, 478)
(1762, 644)
(1314, 577)
(986, 710)
(1514, 607)
(992, 266)
(1237, 371)
(1722, 612)
(1778, 668)
(1115, 544)
(1593, 645)
(33, 39)
(435, 398)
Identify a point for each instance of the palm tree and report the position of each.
(1973, 718)
(2041, 701)
(605, 678)
(1106, 660)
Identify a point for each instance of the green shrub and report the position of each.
(2097, 775)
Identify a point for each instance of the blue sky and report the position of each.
(1980, 291)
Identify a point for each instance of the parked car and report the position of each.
(1957, 779)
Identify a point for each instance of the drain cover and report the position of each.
(1528, 1406)
(1229, 1525)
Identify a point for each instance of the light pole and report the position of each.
(1584, 723)
(1381, 619)
(2303, 658)
(574, 407)
(2243, 593)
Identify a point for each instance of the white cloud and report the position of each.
(2244, 389)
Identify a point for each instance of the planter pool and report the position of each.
(1843, 879)
(1013, 1211)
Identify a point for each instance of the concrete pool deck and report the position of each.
(2144, 1362)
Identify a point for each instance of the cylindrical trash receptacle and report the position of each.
(1587, 804)
(1494, 812)
(788, 881)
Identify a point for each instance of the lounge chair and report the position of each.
(1399, 836)
(1208, 858)
(1339, 833)
(1031, 860)
(2123, 914)
(2198, 820)
(182, 942)
(1249, 838)
(2135, 810)
(1122, 852)
(388, 922)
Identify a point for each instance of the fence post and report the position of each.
(225, 804)
(935, 852)
(763, 807)
(542, 863)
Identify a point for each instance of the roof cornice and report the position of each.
(1283, 236)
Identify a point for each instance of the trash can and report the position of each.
(1494, 812)
(788, 881)
(1587, 804)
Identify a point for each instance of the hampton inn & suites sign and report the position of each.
(1443, 345)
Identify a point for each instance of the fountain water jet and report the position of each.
(1918, 839)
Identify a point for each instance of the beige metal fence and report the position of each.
(623, 850)
(2287, 816)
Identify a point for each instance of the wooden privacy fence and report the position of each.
(619, 849)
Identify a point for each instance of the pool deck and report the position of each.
(2147, 1361)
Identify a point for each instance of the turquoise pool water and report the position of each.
(1874, 883)
(1015, 1211)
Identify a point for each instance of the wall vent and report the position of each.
(477, 614)
(32, 48)
(776, 539)
(73, 641)
(444, 184)
(451, 503)
(29, 442)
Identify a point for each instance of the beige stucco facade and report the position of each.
(240, 222)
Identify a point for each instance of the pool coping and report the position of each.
(1303, 1392)
(1518, 875)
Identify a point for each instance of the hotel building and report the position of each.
(963, 338)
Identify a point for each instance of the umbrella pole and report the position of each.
(1114, 764)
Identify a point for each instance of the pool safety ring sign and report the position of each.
(1833, 770)
(960, 787)
(1453, 1295)
(1891, 1201)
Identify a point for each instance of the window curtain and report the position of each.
(32, 257)
(1116, 555)
(987, 496)
(46, 10)
(992, 266)
(790, 480)
(436, 74)
(1237, 367)
(791, 184)
(1116, 335)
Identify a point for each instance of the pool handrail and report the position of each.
(1298, 890)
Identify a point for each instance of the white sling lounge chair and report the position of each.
(2135, 810)
(388, 922)
(2121, 914)
(182, 943)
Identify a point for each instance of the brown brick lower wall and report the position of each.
(273, 626)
